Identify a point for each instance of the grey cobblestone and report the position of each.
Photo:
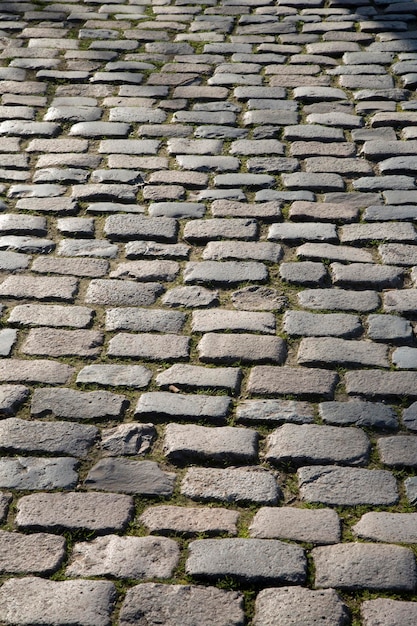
(227, 188)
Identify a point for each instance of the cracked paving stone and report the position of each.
(314, 444)
(189, 521)
(321, 526)
(99, 512)
(124, 557)
(37, 601)
(157, 603)
(127, 439)
(255, 560)
(347, 486)
(191, 442)
(190, 297)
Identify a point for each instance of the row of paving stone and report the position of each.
(208, 276)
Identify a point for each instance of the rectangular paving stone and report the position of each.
(339, 299)
(359, 413)
(165, 271)
(20, 436)
(253, 560)
(225, 445)
(36, 601)
(165, 603)
(98, 512)
(144, 320)
(317, 444)
(126, 227)
(189, 521)
(225, 272)
(124, 557)
(363, 566)
(39, 288)
(51, 315)
(32, 473)
(274, 412)
(304, 324)
(270, 380)
(321, 526)
(376, 384)
(347, 486)
(72, 404)
(129, 476)
(333, 253)
(39, 553)
(53, 342)
(135, 376)
(388, 527)
(383, 610)
(301, 604)
(166, 405)
(245, 484)
(194, 377)
(224, 319)
(113, 292)
(149, 346)
(258, 251)
(333, 351)
(366, 275)
(245, 348)
(35, 371)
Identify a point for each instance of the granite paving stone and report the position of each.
(387, 527)
(98, 512)
(189, 521)
(207, 238)
(124, 557)
(384, 611)
(20, 436)
(70, 404)
(255, 560)
(37, 473)
(314, 444)
(38, 553)
(156, 602)
(129, 476)
(298, 604)
(192, 442)
(320, 526)
(346, 486)
(32, 600)
(361, 566)
(359, 413)
(245, 484)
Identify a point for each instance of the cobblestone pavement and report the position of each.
(208, 278)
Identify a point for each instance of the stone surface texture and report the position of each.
(208, 328)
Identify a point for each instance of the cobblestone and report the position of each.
(208, 222)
